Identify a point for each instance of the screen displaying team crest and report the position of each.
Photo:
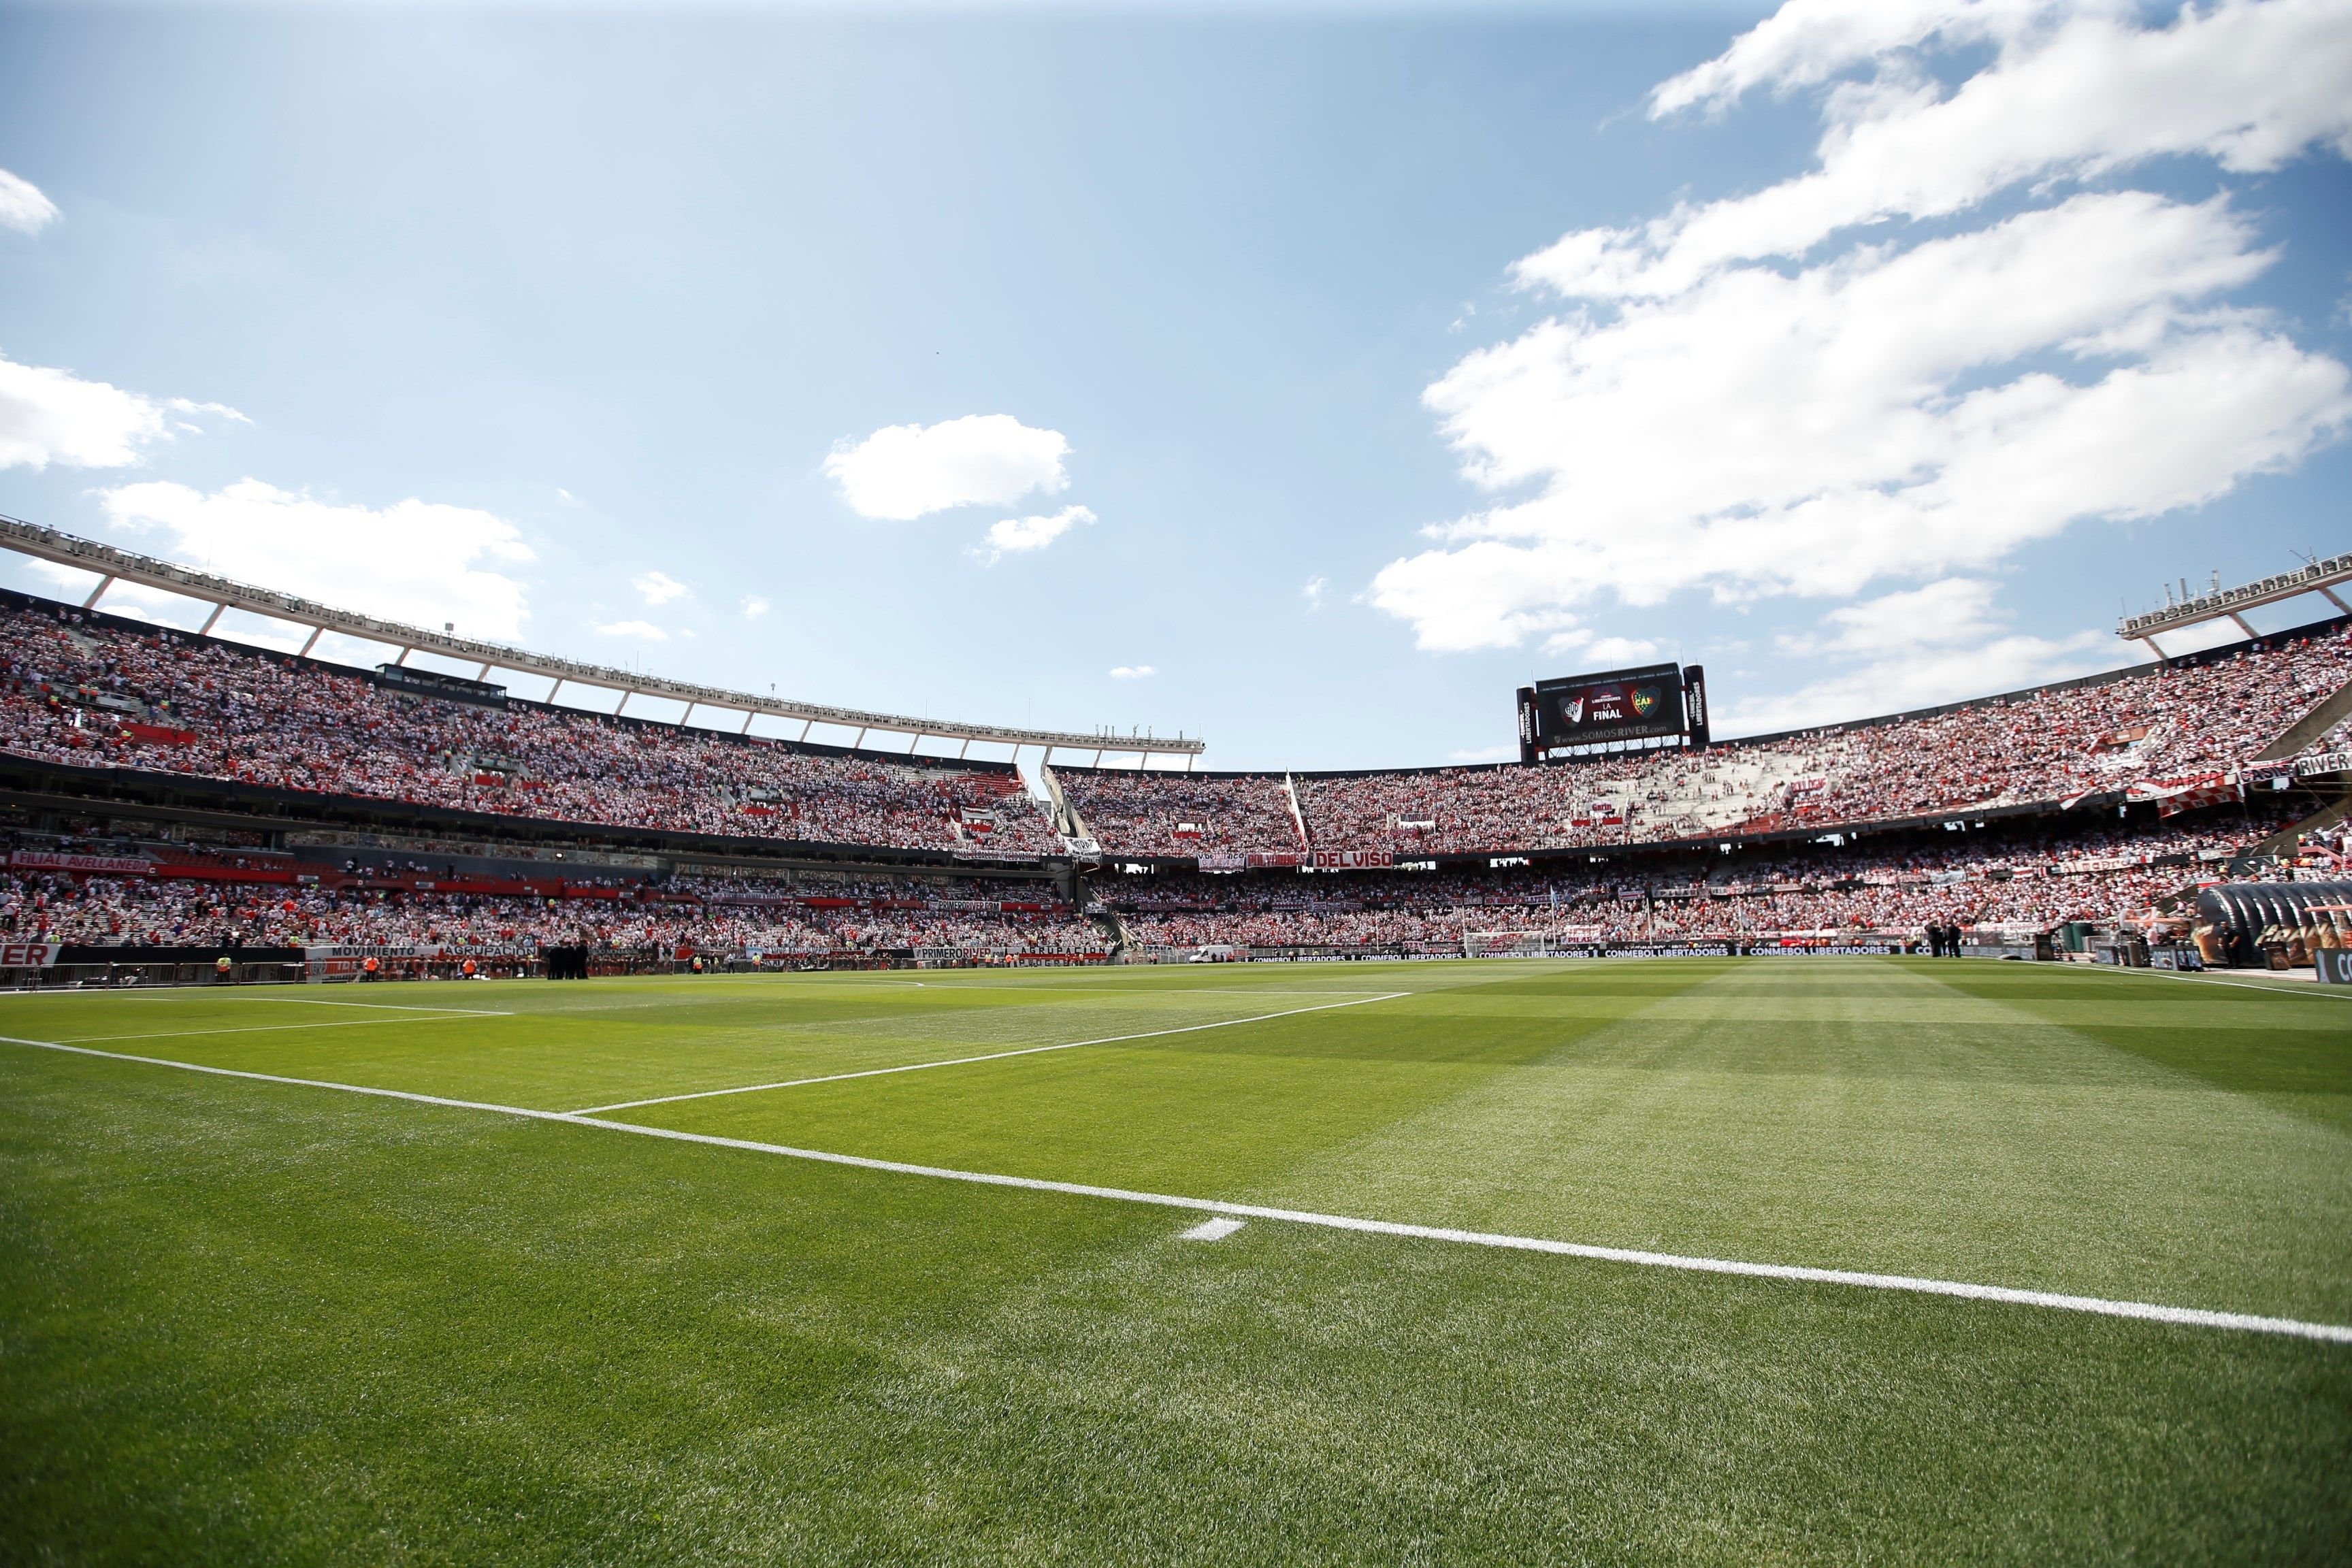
(1626, 704)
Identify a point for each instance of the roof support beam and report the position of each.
(316, 633)
(212, 620)
(104, 584)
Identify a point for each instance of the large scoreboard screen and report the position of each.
(1652, 702)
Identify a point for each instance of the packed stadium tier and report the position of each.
(2030, 878)
(1168, 814)
(2024, 879)
(93, 691)
(123, 896)
(2175, 732)
(87, 692)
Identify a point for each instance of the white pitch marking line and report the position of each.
(2187, 1317)
(2292, 988)
(380, 1007)
(2317, 991)
(1216, 1229)
(272, 1029)
(967, 1061)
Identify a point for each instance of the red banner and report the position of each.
(104, 865)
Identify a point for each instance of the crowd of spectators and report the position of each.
(2034, 874)
(141, 911)
(2156, 729)
(82, 690)
(85, 691)
(2020, 878)
(1135, 812)
(926, 892)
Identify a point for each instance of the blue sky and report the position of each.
(1341, 370)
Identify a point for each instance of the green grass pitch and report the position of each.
(253, 1321)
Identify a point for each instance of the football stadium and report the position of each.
(1171, 783)
(1919, 1137)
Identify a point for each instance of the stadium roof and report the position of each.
(2315, 578)
(113, 565)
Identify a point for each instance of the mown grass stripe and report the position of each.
(272, 1029)
(2187, 1317)
(989, 1057)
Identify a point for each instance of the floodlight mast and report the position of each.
(113, 565)
(2229, 603)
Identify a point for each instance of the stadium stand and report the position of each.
(178, 899)
(2027, 879)
(92, 691)
(1183, 813)
(2172, 733)
(2104, 801)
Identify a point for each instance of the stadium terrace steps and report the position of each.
(2325, 715)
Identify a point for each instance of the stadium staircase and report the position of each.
(2325, 715)
(1066, 820)
(1298, 817)
(1122, 940)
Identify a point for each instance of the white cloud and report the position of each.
(754, 607)
(910, 470)
(645, 629)
(2076, 90)
(54, 416)
(22, 207)
(1484, 754)
(1599, 652)
(1916, 649)
(1313, 592)
(49, 416)
(1014, 535)
(1132, 672)
(658, 588)
(1758, 395)
(414, 560)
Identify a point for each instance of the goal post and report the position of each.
(1506, 944)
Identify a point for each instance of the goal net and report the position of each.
(1505, 945)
